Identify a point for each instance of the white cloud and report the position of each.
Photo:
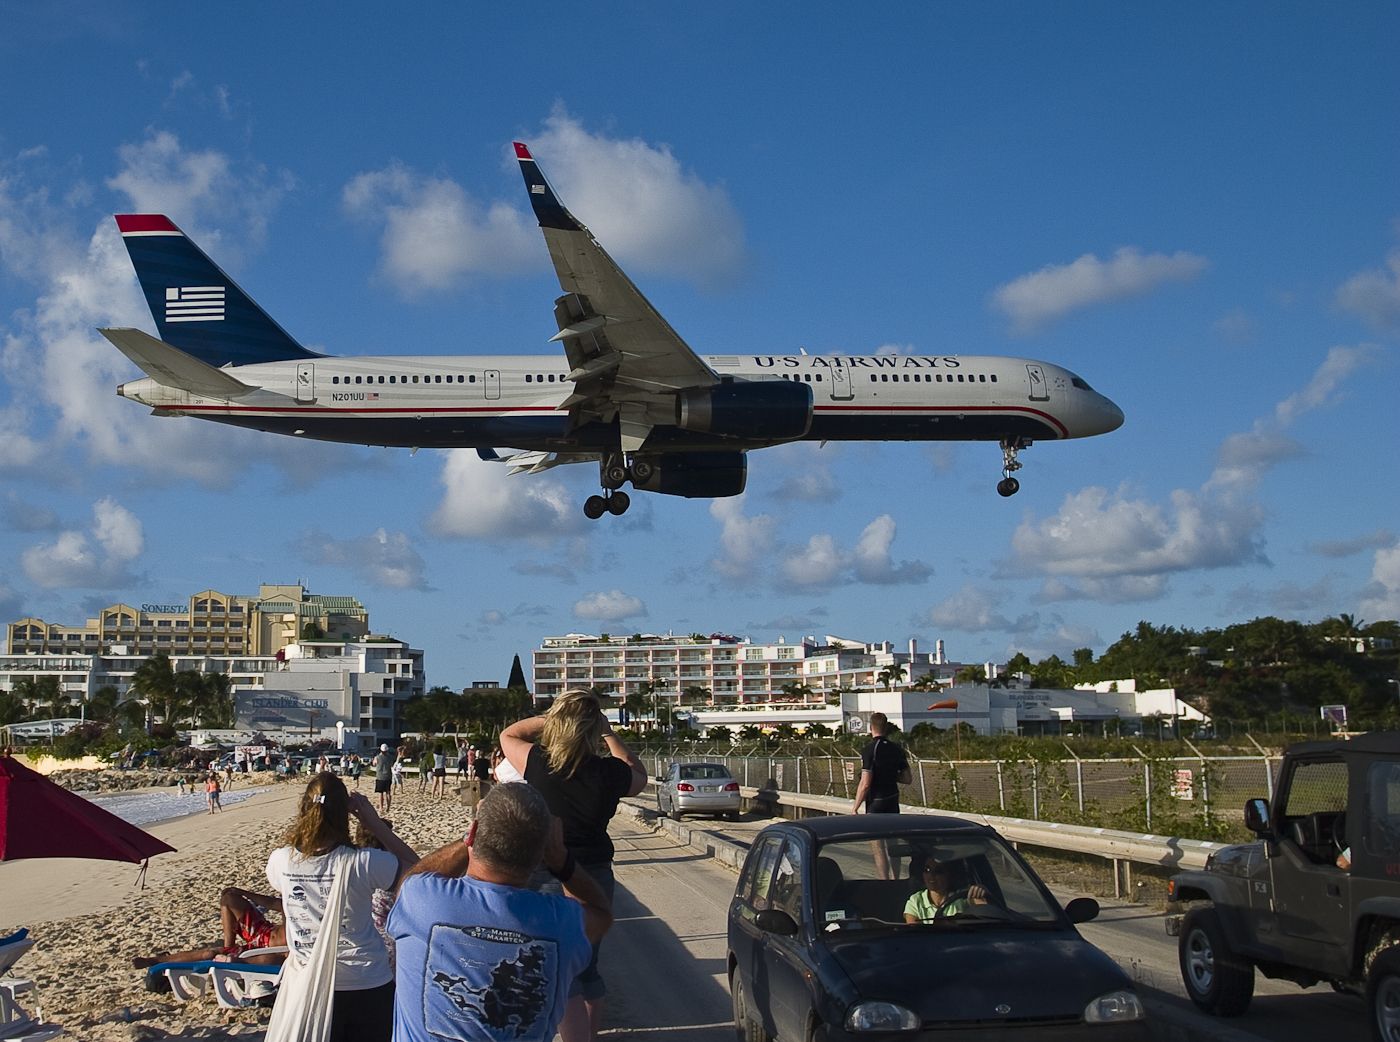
(872, 560)
(646, 210)
(1381, 598)
(95, 557)
(648, 213)
(609, 606)
(382, 558)
(484, 501)
(976, 609)
(819, 563)
(435, 233)
(745, 541)
(1043, 297)
(1374, 295)
(60, 369)
(1100, 535)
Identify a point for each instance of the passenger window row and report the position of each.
(971, 378)
(434, 379)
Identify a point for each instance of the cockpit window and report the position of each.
(1079, 382)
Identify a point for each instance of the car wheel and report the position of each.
(1383, 995)
(733, 815)
(1219, 980)
(747, 1027)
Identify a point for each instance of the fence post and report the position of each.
(1205, 782)
(1035, 791)
(1146, 784)
(1268, 771)
(797, 763)
(1001, 789)
(923, 783)
(1078, 776)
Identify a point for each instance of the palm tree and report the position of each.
(891, 674)
(103, 703)
(796, 692)
(154, 682)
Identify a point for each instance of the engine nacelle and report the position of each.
(758, 410)
(695, 475)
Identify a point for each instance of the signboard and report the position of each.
(850, 767)
(1182, 787)
(1336, 716)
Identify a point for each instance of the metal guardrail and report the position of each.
(1122, 849)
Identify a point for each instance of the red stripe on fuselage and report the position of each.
(497, 411)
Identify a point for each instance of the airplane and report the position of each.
(627, 393)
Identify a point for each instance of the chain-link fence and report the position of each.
(1192, 797)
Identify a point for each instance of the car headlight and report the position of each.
(1114, 1008)
(881, 1016)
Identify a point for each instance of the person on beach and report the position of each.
(319, 849)
(480, 953)
(396, 775)
(558, 754)
(439, 770)
(384, 777)
(243, 916)
(425, 768)
(212, 792)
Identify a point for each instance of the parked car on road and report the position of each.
(821, 946)
(697, 788)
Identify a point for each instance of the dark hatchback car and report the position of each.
(820, 947)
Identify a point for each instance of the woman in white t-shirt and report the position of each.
(318, 849)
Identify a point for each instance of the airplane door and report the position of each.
(841, 390)
(1040, 390)
(493, 383)
(306, 382)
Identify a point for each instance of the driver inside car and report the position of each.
(939, 898)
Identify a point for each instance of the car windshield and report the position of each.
(703, 772)
(935, 879)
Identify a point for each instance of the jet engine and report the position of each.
(695, 475)
(758, 410)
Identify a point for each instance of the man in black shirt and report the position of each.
(883, 768)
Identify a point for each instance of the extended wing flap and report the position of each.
(536, 462)
(174, 368)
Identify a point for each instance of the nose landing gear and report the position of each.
(1009, 486)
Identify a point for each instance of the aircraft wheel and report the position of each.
(1008, 487)
(618, 503)
(615, 475)
(594, 507)
(642, 470)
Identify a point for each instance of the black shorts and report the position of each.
(382, 784)
(439, 772)
(882, 804)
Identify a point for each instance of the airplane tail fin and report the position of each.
(198, 308)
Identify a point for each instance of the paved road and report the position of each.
(664, 958)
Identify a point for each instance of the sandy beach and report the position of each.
(90, 918)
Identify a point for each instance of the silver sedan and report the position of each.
(697, 788)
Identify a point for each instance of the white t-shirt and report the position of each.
(362, 961)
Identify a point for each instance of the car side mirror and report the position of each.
(661, 777)
(775, 920)
(1082, 910)
(1256, 817)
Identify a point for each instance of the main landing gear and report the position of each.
(613, 473)
(614, 502)
(1009, 486)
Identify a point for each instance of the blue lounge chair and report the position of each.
(235, 985)
(16, 1025)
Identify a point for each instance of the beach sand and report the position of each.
(90, 917)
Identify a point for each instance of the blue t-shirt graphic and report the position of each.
(482, 962)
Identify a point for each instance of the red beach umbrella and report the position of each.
(948, 703)
(41, 819)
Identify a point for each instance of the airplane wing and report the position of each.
(174, 368)
(627, 362)
(536, 462)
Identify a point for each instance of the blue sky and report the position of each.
(1196, 207)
